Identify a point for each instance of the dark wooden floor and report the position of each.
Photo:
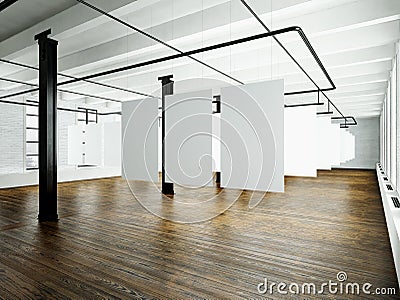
(106, 245)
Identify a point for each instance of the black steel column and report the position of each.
(218, 178)
(167, 84)
(47, 127)
(217, 101)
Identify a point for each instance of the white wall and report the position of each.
(366, 144)
(11, 138)
(389, 122)
(64, 119)
(64, 175)
(397, 121)
(325, 140)
(389, 126)
(12, 149)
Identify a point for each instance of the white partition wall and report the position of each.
(324, 141)
(352, 151)
(188, 139)
(140, 140)
(112, 144)
(343, 146)
(216, 142)
(85, 144)
(335, 144)
(301, 141)
(347, 144)
(93, 144)
(252, 132)
(75, 144)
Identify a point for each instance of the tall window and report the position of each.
(388, 130)
(384, 133)
(393, 126)
(88, 116)
(398, 121)
(31, 136)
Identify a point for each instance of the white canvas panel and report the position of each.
(188, 139)
(301, 141)
(347, 146)
(252, 131)
(216, 142)
(159, 140)
(93, 137)
(323, 143)
(112, 144)
(75, 145)
(140, 140)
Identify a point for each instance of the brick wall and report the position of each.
(11, 138)
(367, 144)
(64, 119)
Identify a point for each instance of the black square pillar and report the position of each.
(167, 84)
(218, 177)
(47, 127)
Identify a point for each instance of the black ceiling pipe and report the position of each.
(6, 3)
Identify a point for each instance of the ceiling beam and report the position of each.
(60, 24)
(353, 15)
(6, 3)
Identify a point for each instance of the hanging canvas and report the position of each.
(252, 134)
(301, 141)
(140, 140)
(188, 139)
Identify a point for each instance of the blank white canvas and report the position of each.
(324, 143)
(140, 140)
(301, 141)
(75, 146)
(159, 139)
(188, 140)
(216, 142)
(347, 146)
(252, 132)
(112, 144)
(93, 137)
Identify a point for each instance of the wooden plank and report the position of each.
(107, 246)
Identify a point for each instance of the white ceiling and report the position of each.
(354, 39)
(26, 13)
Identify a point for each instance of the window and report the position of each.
(388, 130)
(87, 116)
(31, 137)
(397, 122)
(393, 126)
